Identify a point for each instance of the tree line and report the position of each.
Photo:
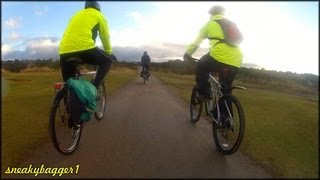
(16, 66)
(305, 83)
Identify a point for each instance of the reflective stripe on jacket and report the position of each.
(82, 31)
(219, 51)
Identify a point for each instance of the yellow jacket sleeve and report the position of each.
(104, 35)
(193, 47)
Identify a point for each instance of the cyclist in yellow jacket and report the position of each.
(222, 58)
(79, 41)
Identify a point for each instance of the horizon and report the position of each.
(244, 65)
(32, 30)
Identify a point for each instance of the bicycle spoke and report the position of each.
(62, 134)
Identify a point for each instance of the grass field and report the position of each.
(282, 130)
(26, 102)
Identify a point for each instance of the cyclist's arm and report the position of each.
(104, 35)
(193, 47)
(149, 60)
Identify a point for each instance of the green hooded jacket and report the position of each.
(219, 51)
(82, 31)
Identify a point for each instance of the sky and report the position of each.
(281, 36)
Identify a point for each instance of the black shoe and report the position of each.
(77, 126)
(205, 97)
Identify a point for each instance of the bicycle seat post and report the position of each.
(212, 80)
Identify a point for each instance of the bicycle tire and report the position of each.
(194, 102)
(103, 97)
(52, 128)
(230, 124)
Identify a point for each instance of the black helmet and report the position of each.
(216, 10)
(92, 4)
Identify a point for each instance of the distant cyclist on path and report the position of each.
(145, 63)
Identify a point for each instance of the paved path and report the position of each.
(147, 133)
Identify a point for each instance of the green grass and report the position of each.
(26, 103)
(282, 130)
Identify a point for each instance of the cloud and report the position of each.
(168, 23)
(5, 48)
(41, 11)
(138, 17)
(158, 52)
(13, 22)
(14, 36)
(42, 48)
(47, 47)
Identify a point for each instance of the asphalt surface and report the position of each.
(146, 133)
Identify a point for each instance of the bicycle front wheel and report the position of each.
(195, 105)
(101, 103)
(229, 132)
(64, 136)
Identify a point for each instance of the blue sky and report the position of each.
(279, 36)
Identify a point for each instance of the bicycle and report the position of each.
(145, 75)
(65, 136)
(221, 109)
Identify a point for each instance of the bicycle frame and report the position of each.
(217, 94)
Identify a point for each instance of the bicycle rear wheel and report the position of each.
(195, 105)
(64, 136)
(101, 103)
(229, 134)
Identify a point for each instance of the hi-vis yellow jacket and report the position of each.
(219, 51)
(82, 31)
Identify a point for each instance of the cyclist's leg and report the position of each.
(68, 68)
(147, 69)
(226, 77)
(97, 57)
(141, 72)
(206, 64)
